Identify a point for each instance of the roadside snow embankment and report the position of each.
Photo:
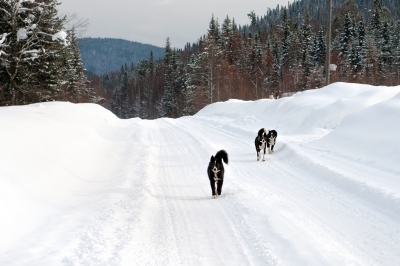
(354, 121)
(78, 186)
(51, 159)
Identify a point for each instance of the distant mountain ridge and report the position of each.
(102, 55)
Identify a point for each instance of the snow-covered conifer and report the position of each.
(31, 41)
(76, 89)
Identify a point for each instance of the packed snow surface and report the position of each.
(78, 186)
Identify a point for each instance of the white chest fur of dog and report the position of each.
(262, 146)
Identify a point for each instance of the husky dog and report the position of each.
(260, 142)
(216, 171)
(271, 140)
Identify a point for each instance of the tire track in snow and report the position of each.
(190, 225)
(102, 240)
(257, 249)
(297, 183)
(289, 208)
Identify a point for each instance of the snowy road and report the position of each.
(289, 210)
(149, 200)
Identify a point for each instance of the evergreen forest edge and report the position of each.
(281, 52)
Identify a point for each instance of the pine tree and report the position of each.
(209, 61)
(386, 57)
(346, 35)
(320, 48)
(286, 40)
(226, 36)
(190, 88)
(375, 25)
(76, 88)
(168, 97)
(31, 41)
(359, 53)
(255, 72)
(345, 46)
(306, 48)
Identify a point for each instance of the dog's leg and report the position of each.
(219, 190)
(272, 148)
(213, 190)
(258, 155)
(264, 155)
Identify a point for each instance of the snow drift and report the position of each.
(78, 186)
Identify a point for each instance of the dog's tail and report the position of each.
(262, 131)
(222, 154)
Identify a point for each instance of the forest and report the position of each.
(281, 52)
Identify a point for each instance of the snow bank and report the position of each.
(49, 160)
(369, 130)
(361, 120)
(78, 186)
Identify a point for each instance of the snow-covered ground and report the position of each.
(79, 186)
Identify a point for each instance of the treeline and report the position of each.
(282, 52)
(39, 59)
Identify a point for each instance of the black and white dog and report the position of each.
(260, 142)
(271, 140)
(265, 139)
(216, 172)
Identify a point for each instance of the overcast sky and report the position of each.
(152, 21)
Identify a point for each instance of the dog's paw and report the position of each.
(258, 159)
(263, 160)
(214, 196)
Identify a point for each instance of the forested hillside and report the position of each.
(282, 51)
(318, 11)
(102, 55)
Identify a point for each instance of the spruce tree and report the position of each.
(286, 39)
(375, 25)
(76, 88)
(226, 35)
(190, 88)
(359, 49)
(386, 57)
(31, 41)
(209, 61)
(320, 48)
(346, 35)
(168, 96)
(306, 48)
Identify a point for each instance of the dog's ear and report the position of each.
(212, 159)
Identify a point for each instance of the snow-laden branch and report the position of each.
(22, 34)
(2, 52)
(5, 11)
(3, 38)
(61, 35)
